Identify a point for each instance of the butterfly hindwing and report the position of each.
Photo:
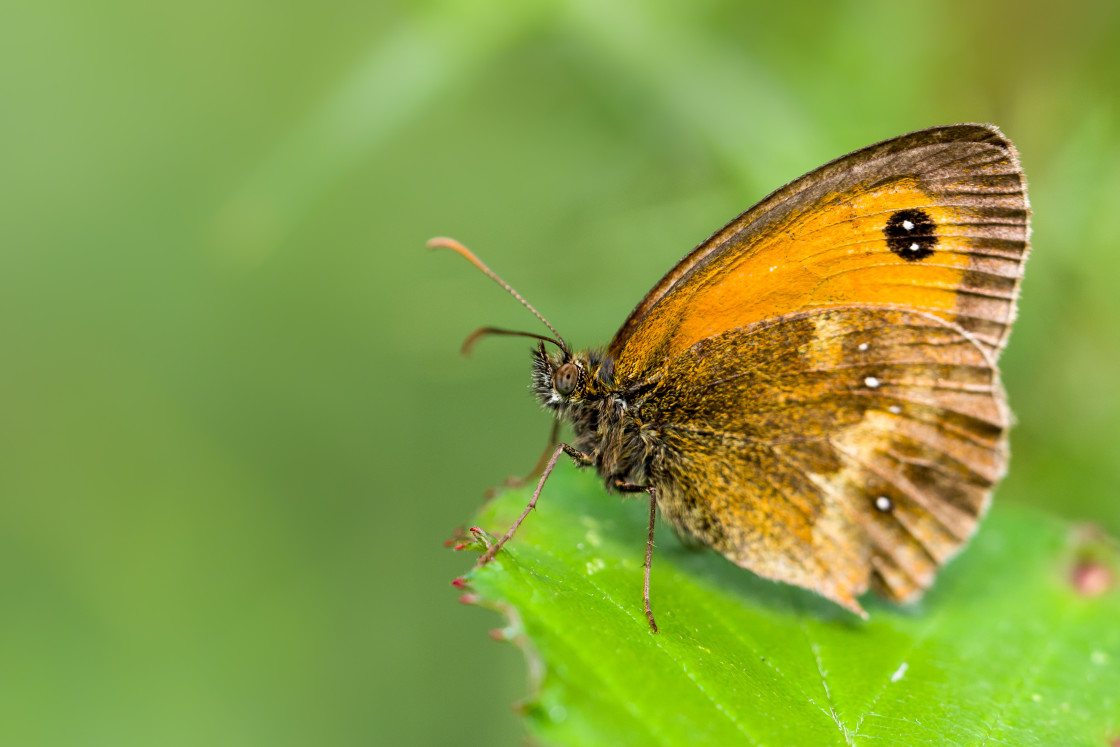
(832, 448)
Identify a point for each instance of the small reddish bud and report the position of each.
(1091, 578)
(468, 598)
(460, 583)
(461, 546)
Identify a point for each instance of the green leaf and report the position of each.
(1003, 650)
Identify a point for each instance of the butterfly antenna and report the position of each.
(442, 242)
(468, 344)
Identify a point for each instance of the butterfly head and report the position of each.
(561, 379)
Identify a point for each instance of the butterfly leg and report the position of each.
(625, 487)
(577, 456)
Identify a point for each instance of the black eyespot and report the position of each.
(910, 234)
(566, 378)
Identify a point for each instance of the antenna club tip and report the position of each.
(443, 242)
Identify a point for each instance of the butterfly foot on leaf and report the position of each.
(481, 541)
(481, 537)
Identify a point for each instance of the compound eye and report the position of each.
(566, 378)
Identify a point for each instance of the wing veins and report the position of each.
(980, 482)
(911, 491)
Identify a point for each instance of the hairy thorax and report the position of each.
(608, 427)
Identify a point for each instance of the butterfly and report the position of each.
(813, 391)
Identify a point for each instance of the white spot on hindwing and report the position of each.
(871, 382)
(908, 225)
(883, 503)
(895, 410)
(863, 346)
(915, 246)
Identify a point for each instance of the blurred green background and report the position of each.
(235, 425)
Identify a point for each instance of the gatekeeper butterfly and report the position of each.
(813, 390)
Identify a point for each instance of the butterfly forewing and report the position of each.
(933, 221)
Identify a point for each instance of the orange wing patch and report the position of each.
(946, 235)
